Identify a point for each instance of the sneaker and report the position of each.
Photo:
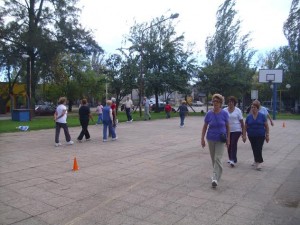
(258, 166)
(131, 120)
(57, 144)
(228, 161)
(253, 164)
(104, 140)
(114, 139)
(214, 183)
(232, 164)
(70, 142)
(88, 139)
(80, 141)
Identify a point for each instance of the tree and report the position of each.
(291, 53)
(227, 68)
(164, 63)
(120, 76)
(43, 29)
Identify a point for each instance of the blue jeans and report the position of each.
(100, 118)
(128, 113)
(182, 117)
(109, 125)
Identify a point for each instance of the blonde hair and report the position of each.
(62, 100)
(108, 102)
(219, 97)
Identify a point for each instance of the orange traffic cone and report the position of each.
(75, 165)
(283, 125)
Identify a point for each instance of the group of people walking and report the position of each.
(222, 127)
(225, 127)
(106, 115)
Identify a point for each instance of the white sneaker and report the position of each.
(131, 120)
(114, 139)
(104, 140)
(258, 166)
(70, 142)
(88, 139)
(57, 144)
(214, 183)
(231, 164)
(253, 164)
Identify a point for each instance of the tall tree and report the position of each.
(164, 62)
(227, 67)
(291, 53)
(43, 29)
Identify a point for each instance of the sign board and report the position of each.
(254, 94)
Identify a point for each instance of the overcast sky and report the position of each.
(110, 20)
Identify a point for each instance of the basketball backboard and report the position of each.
(270, 76)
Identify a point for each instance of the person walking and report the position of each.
(237, 128)
(114, 114)
(99, 112)
(183, 111)
(216, 124)
(264, 111)
(257, 128)
(146, 104)
(128, 108)
(60, 118)
(168, 110)
(84, 118)
(108, 121)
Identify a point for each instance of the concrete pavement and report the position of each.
(155, 173)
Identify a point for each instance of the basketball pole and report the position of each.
(274, 100)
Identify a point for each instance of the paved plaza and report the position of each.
(156, 173)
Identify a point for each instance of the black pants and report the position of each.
(84, 130)
(64, 126)
(128, 113)
(232, 149)
(257, 145)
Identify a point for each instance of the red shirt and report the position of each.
(168, 108)
(113, 108)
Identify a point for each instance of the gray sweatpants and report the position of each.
(216, 149)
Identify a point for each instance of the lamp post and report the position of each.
(173, 16)
(28, 79)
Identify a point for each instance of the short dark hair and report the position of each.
(232, 99)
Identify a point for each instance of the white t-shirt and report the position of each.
(234, 119)
(264, 111)
(128, 103)
(59, 110)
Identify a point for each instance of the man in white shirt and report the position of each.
(128, 107)
(60, 118)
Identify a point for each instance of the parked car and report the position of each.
(198, 103)
(44, 110)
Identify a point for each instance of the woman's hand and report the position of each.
(267, 138)
(244, 138)
(202, 142)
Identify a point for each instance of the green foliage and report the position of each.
(44, 30)
(227, 68)
(291, 53)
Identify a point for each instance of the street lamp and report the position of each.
(173, 16)
(28, 79)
